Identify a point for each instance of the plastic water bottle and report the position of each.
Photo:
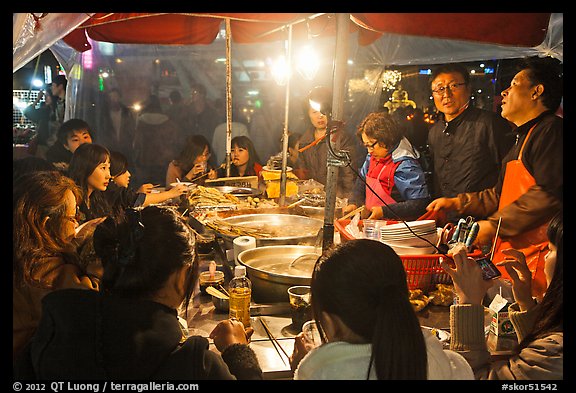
(240, 289)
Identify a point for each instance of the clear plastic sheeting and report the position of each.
(32, 34)
(394, 49)
(140, 70)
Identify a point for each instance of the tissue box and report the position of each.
(500, 324)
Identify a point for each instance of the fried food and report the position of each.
(443, 295)
(418, 299)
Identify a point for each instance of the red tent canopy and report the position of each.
(515, 29)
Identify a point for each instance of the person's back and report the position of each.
(118, 125)
(155, 144)
(130, 330)
(369, 330)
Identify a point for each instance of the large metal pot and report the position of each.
(284, 228)
(274, 269)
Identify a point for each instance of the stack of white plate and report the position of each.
(410, 242)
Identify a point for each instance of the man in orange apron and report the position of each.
(530, 191)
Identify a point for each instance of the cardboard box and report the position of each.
(500, 325)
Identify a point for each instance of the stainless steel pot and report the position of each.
(284, 228)
(274, 269)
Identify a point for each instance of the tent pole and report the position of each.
(228, 97)
(283, 177)
(338, 90)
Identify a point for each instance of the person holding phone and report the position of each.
(539, 326)
(530, 188)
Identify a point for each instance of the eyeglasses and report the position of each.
(439, 91)
(371, 146)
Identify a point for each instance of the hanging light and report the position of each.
(308, 63)
(280, 71)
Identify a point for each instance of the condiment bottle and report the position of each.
(240, 288)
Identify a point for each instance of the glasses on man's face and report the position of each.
(370, 146)
(439, 91)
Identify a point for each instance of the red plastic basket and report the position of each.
(422, 271)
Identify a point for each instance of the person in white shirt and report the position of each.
(369, 329)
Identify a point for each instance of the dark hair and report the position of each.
(69, 127)
(383, 127)
(550, 312)
(449, 69)
(293, 139)
(546, 72)
(321, 95)
(153, 105)
(35, 196)
(141, 252)
(60, 80)
(195, 145)
(84, 161)
(200, 88)
(30, 164)
(244, 142)
(118, 163)
(175, 96)
(363, 282)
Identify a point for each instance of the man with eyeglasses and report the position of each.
(529, 191)
(466, 144)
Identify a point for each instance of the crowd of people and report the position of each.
(79, 319)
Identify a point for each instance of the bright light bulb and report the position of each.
(308, 63)
(280, 71)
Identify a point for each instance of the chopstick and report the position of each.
(224, 290)
(275, 342)
(495, 238)
(353, 212)
(296, 203)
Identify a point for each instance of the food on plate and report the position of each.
(443, 295)
(418, 299)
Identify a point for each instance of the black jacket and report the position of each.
(58, 153)
(467, 151)
(89, 335)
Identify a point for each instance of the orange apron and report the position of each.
(534, 243)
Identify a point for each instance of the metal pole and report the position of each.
(228, 97)
(339, 84)
(283, 177)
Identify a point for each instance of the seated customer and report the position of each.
(244, 160)
(130, 330)
(71, 134)
(90, 170)
(369, 329)
(121, 197)
(44, 255)
(538, 323)
(191, 163)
